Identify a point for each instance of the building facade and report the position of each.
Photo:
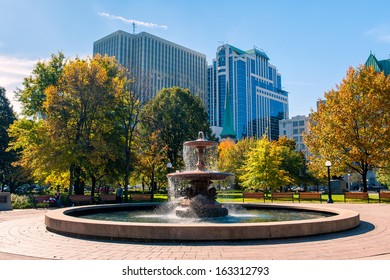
(156, 63)
(256, 98)
(293, 129)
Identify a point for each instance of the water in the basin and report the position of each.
(236, 215)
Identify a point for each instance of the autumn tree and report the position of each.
(75, 140)
(7, 117)
(261, 169)
(151, 159)
(128, 116)
(80, 114)
(232, 156)
(352, 127)
(179, 116)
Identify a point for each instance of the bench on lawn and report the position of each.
(356, 195)
(284, 195)
(140, 196)
(41, 198)
(254, 195)
(310, 196)
(79, 199)
(384, 195)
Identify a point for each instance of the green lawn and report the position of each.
(236, 197)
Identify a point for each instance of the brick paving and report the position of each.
(23, 235)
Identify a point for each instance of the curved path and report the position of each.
(23, 236)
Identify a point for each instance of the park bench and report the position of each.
(310, 196)
(41, 198)
(384, 195)
(107, 198)
(253, 195)
(282, 195)
(140, 196)
(79, 199)
(356, 195)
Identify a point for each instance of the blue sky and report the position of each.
(312, 43)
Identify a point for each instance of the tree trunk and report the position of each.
(94, 180)
(364, 178)
(79, 183)
(71, 178)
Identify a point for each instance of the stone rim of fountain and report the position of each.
(61, 221)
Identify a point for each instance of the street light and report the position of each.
(328, 164)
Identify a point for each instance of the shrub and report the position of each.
(21, 201)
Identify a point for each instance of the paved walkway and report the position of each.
(23, 236)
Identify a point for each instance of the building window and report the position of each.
(295, 124)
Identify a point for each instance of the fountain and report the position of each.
(200, 196)
(197, 215)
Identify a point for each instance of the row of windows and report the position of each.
(160, 63)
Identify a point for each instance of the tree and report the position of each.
(76, 139)
(151, 159)
(232, 156)
(352, 128)
(80, 111)
(127, 114)
(261, 169)
(45, 74)
(7, 117)
(179, 116)
(294, 162)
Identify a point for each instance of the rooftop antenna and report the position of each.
(134, 27)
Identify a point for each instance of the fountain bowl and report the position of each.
(67, 221)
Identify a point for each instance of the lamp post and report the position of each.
(328, 164)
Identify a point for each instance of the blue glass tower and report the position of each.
(257, 99)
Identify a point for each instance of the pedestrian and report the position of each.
(58, 199)
(119, 194)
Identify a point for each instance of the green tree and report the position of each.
(261, 169)
(45, 74)
(294, 162)
(7, 117)
(383, 175)
(179, 116)
(352, 128)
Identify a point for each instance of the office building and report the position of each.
(293, 129)
(253, 88)
(156, 63)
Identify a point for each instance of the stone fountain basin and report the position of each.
(64, 221)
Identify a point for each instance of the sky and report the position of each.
(311, 42)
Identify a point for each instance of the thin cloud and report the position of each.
(380, 33)
(131, 21)
(12, 72)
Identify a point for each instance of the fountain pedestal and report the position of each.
(200, 195)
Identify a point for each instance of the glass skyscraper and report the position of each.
(255, 92)
(156, 63)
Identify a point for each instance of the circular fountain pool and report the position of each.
(320, 220)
